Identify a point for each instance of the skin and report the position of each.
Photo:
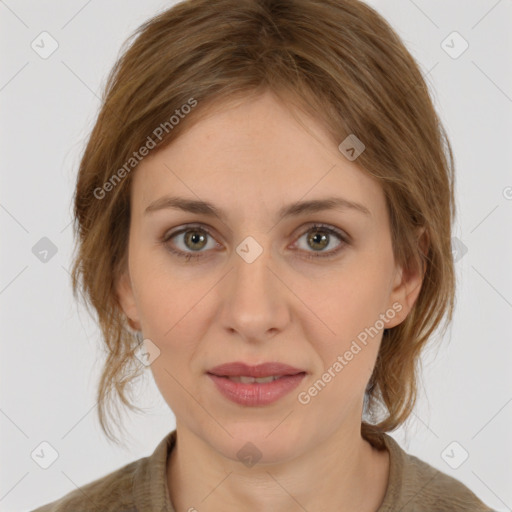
(249, 158)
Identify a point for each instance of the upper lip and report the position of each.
(239, 369)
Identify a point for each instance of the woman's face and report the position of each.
(260, 286)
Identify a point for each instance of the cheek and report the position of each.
(348, 356)
(172, 317)
(353, 299)
(163, 294)
(350, 305)
(176, 312)
(170, 314)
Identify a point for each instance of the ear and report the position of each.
(126, 299)
(407, 282)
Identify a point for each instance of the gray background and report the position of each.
(50, 354)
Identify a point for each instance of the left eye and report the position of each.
(319, 237)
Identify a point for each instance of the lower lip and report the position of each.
(256, 394)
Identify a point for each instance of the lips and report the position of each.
(243, 390)
(239, 369)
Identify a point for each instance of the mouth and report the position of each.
(271, 370)
(255, 385)
(244, 379)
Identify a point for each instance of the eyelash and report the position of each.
(312, 255)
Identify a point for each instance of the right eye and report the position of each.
(191, 240)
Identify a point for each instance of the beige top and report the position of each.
(141, 486)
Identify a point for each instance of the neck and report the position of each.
(343, 473)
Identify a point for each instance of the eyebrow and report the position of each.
(291, 210)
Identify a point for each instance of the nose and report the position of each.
(256, 303)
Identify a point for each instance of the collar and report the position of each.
(150, 490)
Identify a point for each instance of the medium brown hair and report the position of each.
(341, 62)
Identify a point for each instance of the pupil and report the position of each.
(323, 238)
(195, 237)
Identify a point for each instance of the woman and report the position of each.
(264, 213)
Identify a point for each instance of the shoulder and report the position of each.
(111, 493)
(139, 485)
(415, 486)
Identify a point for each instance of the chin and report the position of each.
(259, 442)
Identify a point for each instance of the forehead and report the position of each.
(256, 154)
